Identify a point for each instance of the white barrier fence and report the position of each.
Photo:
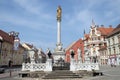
(75, 66)
(37, 66)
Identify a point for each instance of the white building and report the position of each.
(113, 47)
(95, 41)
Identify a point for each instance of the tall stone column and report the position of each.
(59, 52)
(58, 32)
(59, 44)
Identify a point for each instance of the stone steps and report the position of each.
(65, 67)
(61, 74)
(60, 68)
(63, 77)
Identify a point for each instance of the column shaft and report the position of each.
(59, 32)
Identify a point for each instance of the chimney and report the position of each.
(102, 25)
(110, 26)
(97, 26)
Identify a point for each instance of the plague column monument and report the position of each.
(59, 52)
(59, 44)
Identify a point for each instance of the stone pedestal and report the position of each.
(58, 54)
(48, 65)
(72, 65)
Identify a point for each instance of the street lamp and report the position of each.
(15, 39)
(13, 33)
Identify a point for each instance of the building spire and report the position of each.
(84, 31)
(93, 23)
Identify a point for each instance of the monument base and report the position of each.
(58, 55)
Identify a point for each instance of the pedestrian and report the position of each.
(10, 63)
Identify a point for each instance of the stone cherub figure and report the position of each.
(59, 12)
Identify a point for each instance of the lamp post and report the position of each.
(16, 41)
(1, 40)
(15, 37)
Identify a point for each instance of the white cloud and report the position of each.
(34, 7)
(37, 18)
(21, 21)
(29, 5)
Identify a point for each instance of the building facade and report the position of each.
(7, 51)
(113, 46)
(95, 43)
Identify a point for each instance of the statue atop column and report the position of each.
(59, 13)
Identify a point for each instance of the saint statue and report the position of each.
(49, 53)
(72, 53)
(59, 12)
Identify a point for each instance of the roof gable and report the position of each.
(116, 30)
(6, 37)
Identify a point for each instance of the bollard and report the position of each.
(10, 66)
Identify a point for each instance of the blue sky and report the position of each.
(35, 20)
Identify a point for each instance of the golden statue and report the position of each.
(59, 12)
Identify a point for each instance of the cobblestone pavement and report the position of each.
(6, 76)
(110, 73)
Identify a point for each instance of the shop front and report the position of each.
(112, 60)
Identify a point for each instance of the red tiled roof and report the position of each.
(78, 44)
(116, 30)
(105, 31)
(6, 37)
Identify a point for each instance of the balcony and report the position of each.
(96, 42)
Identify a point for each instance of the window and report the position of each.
(93, 45)
(100, 45)
(109, 51)
(114, 50)
(113, 40)
(119, 39)
(119, 49)
(109, 42)
(99, 38)
(93, 31)
(105, 44)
